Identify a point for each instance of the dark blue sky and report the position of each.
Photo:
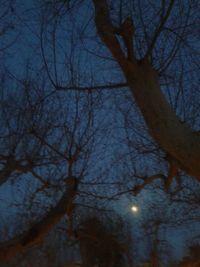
(65, 50)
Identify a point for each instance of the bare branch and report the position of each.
(35, 235)
(12, 165)
(107, 31)
(174, 138)
(160, 28)
(92, 88)
(147, 180)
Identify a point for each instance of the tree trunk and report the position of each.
(174, 137)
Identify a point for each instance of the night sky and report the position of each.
(57, 122)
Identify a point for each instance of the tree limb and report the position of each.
(176, 139)
(35, 235)
(12, 165)
(160, 28)
(91, 88)
(106, 31)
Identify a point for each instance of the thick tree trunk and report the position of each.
(177, 139)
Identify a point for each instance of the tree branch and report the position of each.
(160, 28)
(176, 139)
(106, 31)
(12, 165)
(147, 180)
(92, 88)
(35, 235)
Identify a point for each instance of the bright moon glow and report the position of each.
(134, 209)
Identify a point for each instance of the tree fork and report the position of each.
(175, 138)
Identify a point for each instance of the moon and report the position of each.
(134, 209)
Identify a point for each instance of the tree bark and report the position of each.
(174, 137)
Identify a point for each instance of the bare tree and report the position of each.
(174, 137)
(45, 142)
(51, 136)
(144, 44)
